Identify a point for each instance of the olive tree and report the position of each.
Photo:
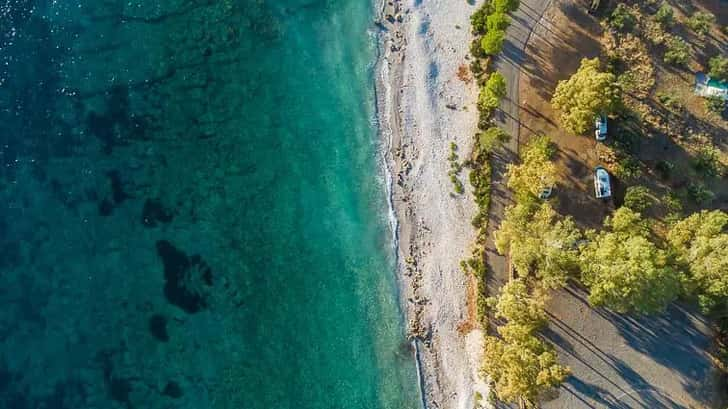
(586, 94)
(535, 171)
(701, 243)
(624, 270)
(539, 242)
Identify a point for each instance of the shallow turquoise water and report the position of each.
(193, 208)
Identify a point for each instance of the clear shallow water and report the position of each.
(192, 209)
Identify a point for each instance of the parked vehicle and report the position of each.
(545, 192)
(602, 186)
(600, 127)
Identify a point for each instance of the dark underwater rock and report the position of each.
(185, 278)
(119, 390)
(155, 212)
(158, 327)
(117, 187)
(105, 207)
(173, 390)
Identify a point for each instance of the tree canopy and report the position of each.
(701, 243)
(539, 242)
(535, 171)
(718, 68)
(586, 94)
(624, 270)
(492, 41)
(491, 94)
(520, 364)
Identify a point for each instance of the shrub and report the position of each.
(504, 6)
(699, 193)
(665, 15)
(492, 42)
(700, 22)
(706, 161)
(637, 198)
(664, 168)
(718, 68)
(622, 18)
(716, 104)
(628, 168)
(490, 138)
(670, 102)
(491, 93)
(498, 21)
(478, 19)
(677, 52)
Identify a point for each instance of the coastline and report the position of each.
(423, 107)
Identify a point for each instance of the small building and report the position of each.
(707, 87)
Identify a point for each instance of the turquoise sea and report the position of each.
(193, 213)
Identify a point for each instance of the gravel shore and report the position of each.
(423, 107)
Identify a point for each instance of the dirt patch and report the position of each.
(554, 52)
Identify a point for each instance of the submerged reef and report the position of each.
(186, 279)
(154, 213)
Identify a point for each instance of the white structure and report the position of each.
(707, 87)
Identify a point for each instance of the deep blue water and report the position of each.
(193, 213)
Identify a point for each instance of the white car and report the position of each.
(602, 187)
(600, 127)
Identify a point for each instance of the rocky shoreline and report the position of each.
(425, 105)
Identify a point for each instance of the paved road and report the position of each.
(523, 21)
(620, 361)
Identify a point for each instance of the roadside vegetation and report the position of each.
(488, 26)
(666, 240)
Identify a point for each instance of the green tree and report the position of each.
(624, 270)
(637, 198)
(677, 51)
(490, 138)
(716, 104)
(521, 365)
(492, 93)
(516, 304)
(701, 243)
(586, 94)
(479, 17)
(622, 18)
(492, 41)
(505, 6)
(718, 68)
(498, 21)
(700, 22)
(535, 171)
(665, 15)
(539, 243)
